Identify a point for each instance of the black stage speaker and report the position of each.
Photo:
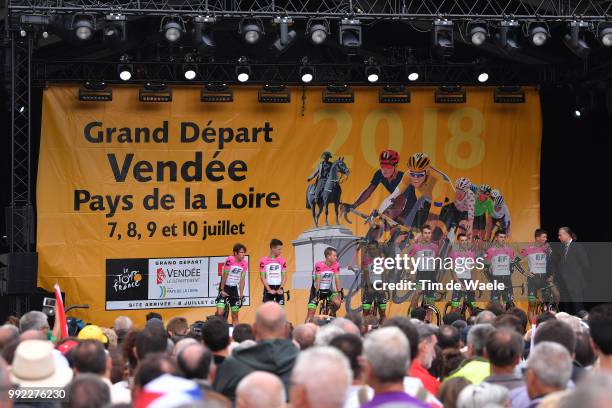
(18, 273)
(23, 230)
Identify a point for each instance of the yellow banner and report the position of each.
(139, 203)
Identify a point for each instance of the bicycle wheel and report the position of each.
(436, 317)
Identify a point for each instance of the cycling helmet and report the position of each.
(462, 183)
(474, 188)
(495, 193)
(499, 200)
(484, 189)
(389, 157)
(418, 162)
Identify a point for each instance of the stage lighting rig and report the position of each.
(124, 69)
(575, 40)
(190, 69)
(483, 77)
(95, 92)
(202, 31)
(604, 34)
(274, 94)
(393, 94)
(243, 70)
(115, 27)
(443, 38)
(216, 93)
(509, 94)
(317, 31)
(506, 38)
(173, 28)
(285, 36)
(538, 34)
(306, 71)
(83, 26)
(338, 94)
(251, 30)
(155, 92)
(450, 94)
(350, 33)
(478, 32)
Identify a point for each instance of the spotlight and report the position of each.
(605, 35)
(83, 26)
(317, 31)
(338, 94)
(483, 77)
(478, 33)
(538, 34)
(576, 39)
(393, 94)
(509, 94)
(252, 31)
(274, 94)
(115, 28)
(285, 37)
(506, 37)
(243, 70)
(350, 33)
(216, 93)
(190, 71)
(450, 94)
(152, 92)
(413, 74)
(577, 113)
(95, 91)
(372, 71)
(124, 69)
(173, 28)
(202, 32)
(23, 33)
(306, 73)
(443, 38)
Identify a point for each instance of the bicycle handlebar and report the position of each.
(69, 308)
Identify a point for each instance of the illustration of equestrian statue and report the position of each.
(326, 188)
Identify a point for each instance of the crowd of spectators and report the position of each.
(495, 359)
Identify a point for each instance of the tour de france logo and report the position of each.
(127, 280)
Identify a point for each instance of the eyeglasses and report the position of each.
(417, 175)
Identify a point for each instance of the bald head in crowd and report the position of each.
(304, 335)
(8, 333)
(270, 322)
(260, 389)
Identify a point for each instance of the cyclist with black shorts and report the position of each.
(324, 275)
(464, 261)
(499, 257)
(273, 273)
(461, 211)
(483, 210)
(539, 275)
(500, 216)
(231, 288)
(371, 295)
(424, 251)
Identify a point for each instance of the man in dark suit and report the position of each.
(572, 265)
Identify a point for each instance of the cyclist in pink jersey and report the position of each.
(324, 275)
(273, 273)
(231, 288)
(464, 260)
(538, 260)
(424, 251)
(499, 258)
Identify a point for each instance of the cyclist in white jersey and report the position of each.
(538, 260)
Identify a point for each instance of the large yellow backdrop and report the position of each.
(102, 239)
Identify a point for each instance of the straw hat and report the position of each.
(35, 366)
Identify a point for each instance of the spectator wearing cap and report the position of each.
(320, 379)
(34, 365)
(274, 352)
(92, 332)
(426, 352)
(90, 357)
(600, 324)
(504, 349)
(476, 367)
(549, 368)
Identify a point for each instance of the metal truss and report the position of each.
(21, 220)
(288, 74)
(407, 10)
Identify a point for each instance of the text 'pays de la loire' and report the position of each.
(190, 132)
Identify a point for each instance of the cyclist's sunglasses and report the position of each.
(417, 175)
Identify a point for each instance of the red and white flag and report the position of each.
(60, 317)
